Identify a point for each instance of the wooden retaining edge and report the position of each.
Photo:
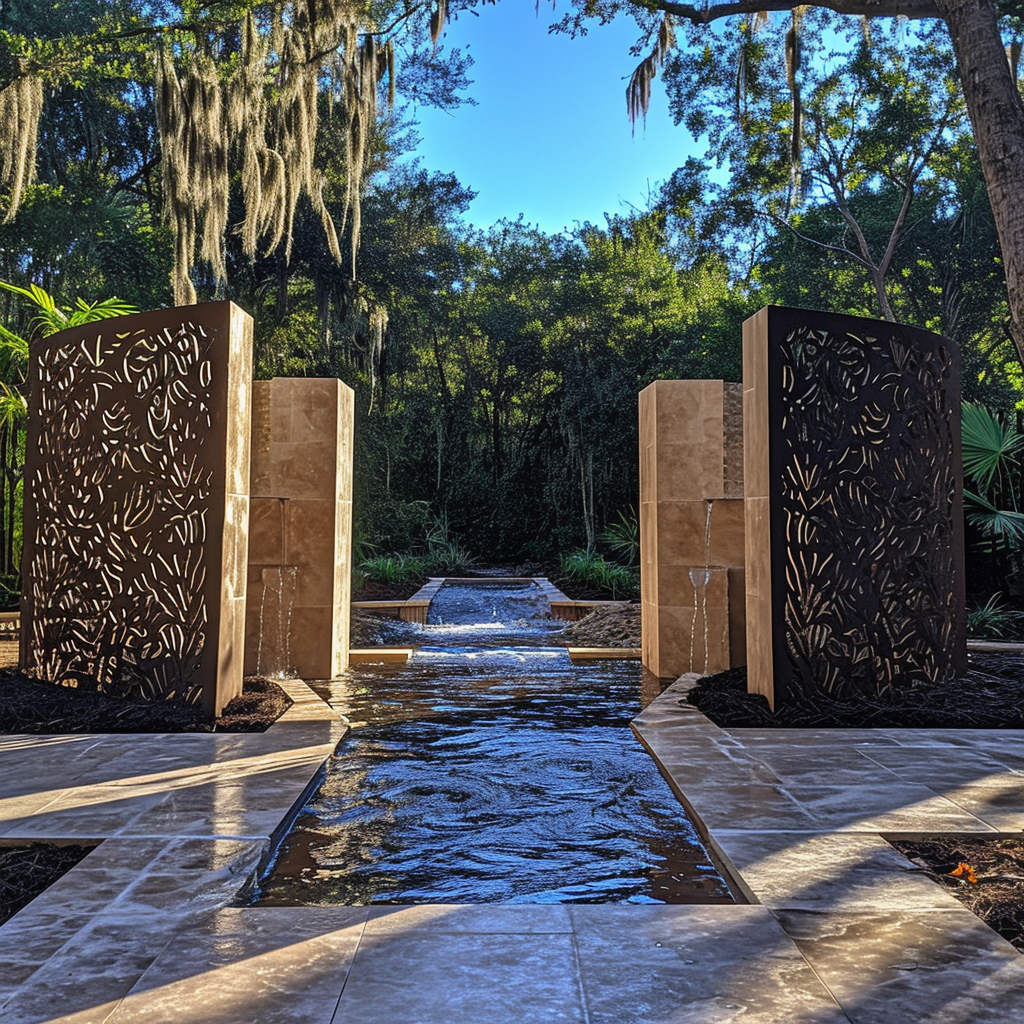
(573, 611)
(378, 655)
(599, 653)
(407, 611)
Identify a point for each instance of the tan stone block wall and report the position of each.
(690, 454)
(301, 521)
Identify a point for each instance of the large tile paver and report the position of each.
(912, 966)
(811, 871)
(695, 965)
(425, 976)
(256, 966)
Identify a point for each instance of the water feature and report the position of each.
(491, 769)
(277, 604)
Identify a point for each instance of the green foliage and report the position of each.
(394, 569)
(993, 620)
(623, 537)
(392, 525)
(991, 448)
(445, 555)
(593, 572)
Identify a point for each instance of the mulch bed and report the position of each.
(373, 591)
(985, 874)
(30, 706)
(612, 625)
(987, 697)
(26, 869)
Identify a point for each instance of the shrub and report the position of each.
(394, 569)
(591, 570)
(992, 620)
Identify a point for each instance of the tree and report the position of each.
(990, 92)
(237, 89)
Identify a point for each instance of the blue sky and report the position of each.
(549, 137)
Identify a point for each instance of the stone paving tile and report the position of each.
(828, 870)
(694, 965)
(833, 767)
(423, 976)
(83, 981)
(80, 814)
(506, 919)
(279, 965)
(912, 966)
(31, 938)
(831, 738)
(96, 881)
(889, 807)
(188, 876)
(936, 765)
(742, 805)
(996, 800)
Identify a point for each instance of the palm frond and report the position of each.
(990, 447)
(1000, 524)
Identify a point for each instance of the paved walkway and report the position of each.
(838, 930)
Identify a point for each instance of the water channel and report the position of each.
(489, 768)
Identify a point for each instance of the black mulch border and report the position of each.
(989, 696)
(33, 707)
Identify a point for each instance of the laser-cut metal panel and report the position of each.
(136, 504)
(865, 498)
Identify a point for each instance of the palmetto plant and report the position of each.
(49, 318)
(623, 537)
(991, 456)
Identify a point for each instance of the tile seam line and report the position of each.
(812, 968)
(334, 1019)
(578, 971)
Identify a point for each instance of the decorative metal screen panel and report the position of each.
(133, 492)
(864, 489)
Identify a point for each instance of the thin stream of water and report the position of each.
(491, 769)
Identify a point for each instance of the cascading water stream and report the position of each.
(699, 580)
(489, 768)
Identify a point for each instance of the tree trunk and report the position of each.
(997, 116)
(993, 103)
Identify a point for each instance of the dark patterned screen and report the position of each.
(125, 504)
(866, 509)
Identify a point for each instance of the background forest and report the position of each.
(497, 368)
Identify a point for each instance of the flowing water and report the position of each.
(491, 769)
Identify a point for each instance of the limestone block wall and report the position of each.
(300, 540)
(691, 526)
(854, 524)
(136, 505)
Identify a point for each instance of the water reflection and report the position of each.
(476, 775)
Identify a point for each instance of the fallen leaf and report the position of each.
(964, 870)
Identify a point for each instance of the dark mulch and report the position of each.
(996, 864)
(987, 697)
(373, 591)
(26, 869)
(369, 630)
(30, 706)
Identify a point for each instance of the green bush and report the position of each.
(391, 525)
(445, 555)
(393, 569)
(992, 620)
(593, 571)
